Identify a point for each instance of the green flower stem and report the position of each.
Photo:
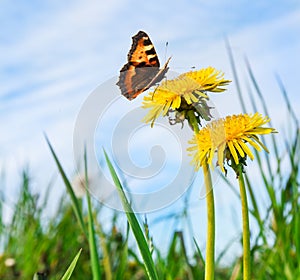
(210, 237)
(192, 121)
(246, 231)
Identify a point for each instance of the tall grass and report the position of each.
(30, 245)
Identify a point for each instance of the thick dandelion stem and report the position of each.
(210, 237)
(246, 230)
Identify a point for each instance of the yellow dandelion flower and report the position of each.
(229, 138)
(201, 147)
(184, 93)
(208, 78)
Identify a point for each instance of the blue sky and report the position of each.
(54, 54)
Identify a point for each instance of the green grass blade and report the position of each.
(229, 183)
(123, 261)
(224, 251)
(106, 256)
(70, 269)
(235, 76)
(96, 269)
(287, 100)
(263, 103)
(255, 211)
(199, 252)
(135, 226)
(75, 202)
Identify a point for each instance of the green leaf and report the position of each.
(70, 269)
(134, 224)
(199, 252)
(96, 269)
(75, 202)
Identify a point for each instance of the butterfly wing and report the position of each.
(142, 69)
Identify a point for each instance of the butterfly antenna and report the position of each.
(166, 50)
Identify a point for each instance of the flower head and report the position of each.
(9, 262)
(209, 79)
(229, 138)
(183, 94)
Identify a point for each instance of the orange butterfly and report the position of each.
(142, 69)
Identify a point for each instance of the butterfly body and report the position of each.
(142, 69)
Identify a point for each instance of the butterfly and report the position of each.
(142, 69)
